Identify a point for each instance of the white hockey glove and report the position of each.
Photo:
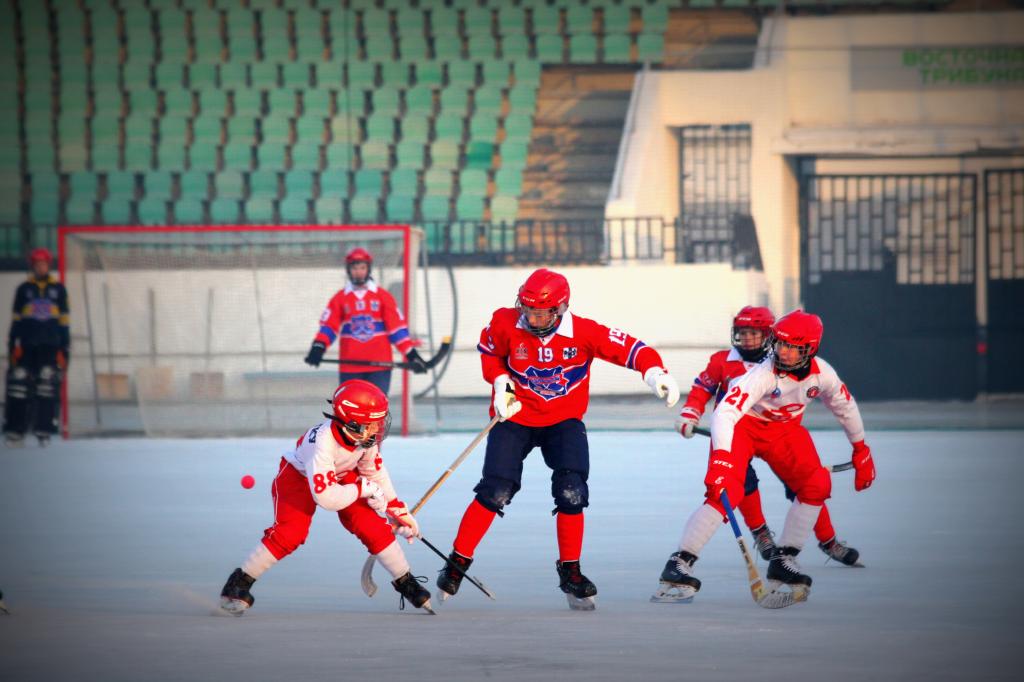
(663, 385)
(373, 494)
(686, 422)
(505, 403)
(404, 523)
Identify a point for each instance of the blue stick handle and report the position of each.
(728, 511)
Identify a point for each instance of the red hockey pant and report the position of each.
(293, 512)
(790, 454)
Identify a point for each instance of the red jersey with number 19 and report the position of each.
(552, 374)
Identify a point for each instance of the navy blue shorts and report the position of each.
(565, 451)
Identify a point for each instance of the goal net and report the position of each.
(202, 331)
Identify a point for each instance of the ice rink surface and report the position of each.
(113, 552)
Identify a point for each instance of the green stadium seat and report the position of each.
(617, 17)
(415, 128)
(259, 210)
(444, 21)
(479, 154)
(169, 75)
(298, 183)
(375, 155)
(43, 209)
(340, 155)
(241, 129)
(522, 100)
(409, 154)
(172, 129)
(583, 48)
(477, 20)
(225, 211)
(310, 129)
(469, 208)
(404, 182)
(504, 209)
(264, 183)
(278, 131)
(138, 130)
(104, 157)
(171, 156)
(194, 184)
(245, 102)
(435, 207)
(394, 74)
(444, 154)
(207, 130)
(400, 209)
(495, 73)
(513, 154)
(264, 75)
(334, 181)
(387, 101)
(655, 18)
(44, 185)
(296, 75)
(80, 211)
(120, 185)
(414, 48)
(233, 76)
(527, 73)
(362, 75)
(438, 181)
(306, 157)
(329, 210)
(158, 185)
(650, 47)
(550, 49)
(481, 47)
(461, 75)
(511, 19)
(282, 103)
(329, 74)
(350, 103)
(178, 103)
(419, 100)
(473, 182)
(483, 127)
(116, 212)
(518, 127)
(237, 156)
(152, 211)
(143, 103)
(380, 128)
(448, 49)
(213, 102)
(368, 181)
(229, 185)
(545, 19)
(429, 74)
(189, 211)
(616, 49)
(364, 208)
(515, 47)
(579, 19)
(317, 103)
(294, 209)
(202, 76)
(453, 102)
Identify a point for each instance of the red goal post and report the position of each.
(202, 330)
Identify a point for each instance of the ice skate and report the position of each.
(14, 440)
(784, 574)
(838, 550)
(408, 586)
(43, 439)
(579, 590)
(448, 579)
(235, 598)
(678, 585)
(764, 541)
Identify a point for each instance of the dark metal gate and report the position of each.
(714, 196)
(887, 261)
(1004, 229)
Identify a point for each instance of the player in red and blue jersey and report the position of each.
(538, 356)
(366, 321)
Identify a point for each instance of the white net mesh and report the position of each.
(202, 332)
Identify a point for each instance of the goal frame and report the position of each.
(408, 266)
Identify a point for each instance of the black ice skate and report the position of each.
(43, 438)
(409, 587)
(764, 541)
(835, 549)
(579, 591)
(14, 440)
(784, 572)
(235, 598)
(678, 585)
(448, 579)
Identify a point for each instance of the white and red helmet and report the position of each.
(358, 255)
(361, 412)
(40, 253)
(799, 330)
(758, 318)
(544, 290)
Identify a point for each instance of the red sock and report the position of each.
(570, 536)
(473, 528)
(750, 507)
(823, 529)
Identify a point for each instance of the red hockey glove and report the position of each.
(404, 522)
(863, 465)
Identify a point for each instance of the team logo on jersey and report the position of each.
(555, 382)
(521, 352)
(568, 353)
(777, 392)
(362, 327)
(375, 305)
(360, 305)
(41, 309)
(813, 392)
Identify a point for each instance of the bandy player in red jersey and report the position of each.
(366, 320)
(751, 330)
(761, 416)
(537, 356)
(336, 465)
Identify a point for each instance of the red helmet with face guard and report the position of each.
(547, 292)
(799, 330)
(759, 319)
(358, 255)
(360, 410)
(40, 253)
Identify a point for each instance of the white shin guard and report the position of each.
(701, 525)
(800, 520)
(260, 559)
(392, 558)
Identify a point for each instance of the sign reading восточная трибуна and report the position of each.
(936, 67)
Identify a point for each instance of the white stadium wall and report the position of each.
(829, 87)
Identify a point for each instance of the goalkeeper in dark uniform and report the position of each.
(38, 348)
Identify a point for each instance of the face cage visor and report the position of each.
(749, 350)
(364, 435)
(359, 282)
(803, 353)
(547, 319)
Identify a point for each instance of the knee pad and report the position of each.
(18, 384)
(816, 489)
(570, 491)
(494, 493)
(750, 483)
(46, 384)
(283, 540)
(723, 475)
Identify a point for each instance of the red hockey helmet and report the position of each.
(542, 300)
(758, 319)
(360, 410)
(358, 255)
(798, 331)
(40, 253)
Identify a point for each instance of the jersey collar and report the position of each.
(370, 286)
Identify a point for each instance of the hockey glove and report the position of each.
(505, 403)
(63, 356)
(404, 523)
(372, 493)
(663, 385)
(863, 466)
(417, 365)
(687, 421)
(316, 353)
